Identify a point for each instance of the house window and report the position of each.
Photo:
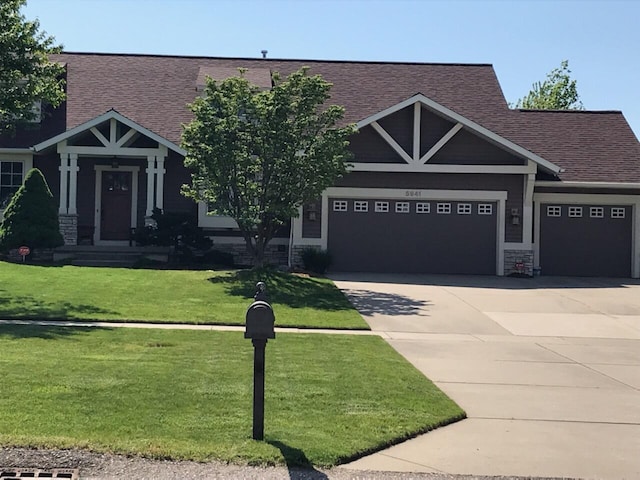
(617, 212)
(464, 209)
(485, 209)
(10, 181)
(339, 205)
(554, 211)
(596, 212)
(575, 212)
(422, 207)
(444, 208)
(382, 207)
(360, 206)
(402, 207)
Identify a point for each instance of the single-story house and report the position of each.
(446, 178)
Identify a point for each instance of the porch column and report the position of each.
(64, 171)
(160, 171)
(151, 172)
(73, 183)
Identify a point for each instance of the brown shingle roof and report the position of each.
(154, 91)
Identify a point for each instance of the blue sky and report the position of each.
(524, 40)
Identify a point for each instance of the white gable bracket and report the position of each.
(389, 139)
(441, 143)
(99, 136)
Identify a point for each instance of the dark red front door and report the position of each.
(115, 220)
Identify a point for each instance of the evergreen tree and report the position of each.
(31, 218)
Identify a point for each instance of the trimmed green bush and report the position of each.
(31, 218)
(315, 260)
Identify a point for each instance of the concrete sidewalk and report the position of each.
(549, 376)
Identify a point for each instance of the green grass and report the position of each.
(183, 296)
(188, 394)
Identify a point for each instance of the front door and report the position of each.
(115, 219)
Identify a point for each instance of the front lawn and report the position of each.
(182, 296)
(188, 394)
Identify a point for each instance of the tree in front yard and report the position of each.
(26, 74)
(258, 155)
(31, 218)
(557, 92)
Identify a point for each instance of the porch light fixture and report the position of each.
(515, 216)
(114, 164)
(311, 212)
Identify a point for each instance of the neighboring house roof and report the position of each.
(153, 91)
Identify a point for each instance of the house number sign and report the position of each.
(412, 193)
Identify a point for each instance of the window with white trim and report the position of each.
(575, 212)
(423, 207)
(617, 212)
(11, 174)
(339, 205)
(464, 209)
(382, 207)
(596, 212)
(402, 207)
(554, 211)
(485, 209)
(360, 206)
(443, 208)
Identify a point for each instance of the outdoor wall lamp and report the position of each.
(311, 212)
(515, 216)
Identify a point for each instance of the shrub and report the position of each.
(315, 260)
(31, 218)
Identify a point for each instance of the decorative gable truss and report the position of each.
(415, 162)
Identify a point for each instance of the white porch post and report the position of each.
(64, 170)
(160, 171)
(151, 171)
(73, 183)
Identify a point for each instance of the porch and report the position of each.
(109, 255)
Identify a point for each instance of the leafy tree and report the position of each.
(32, 216)
(557, 92)
(257, 155)
(26, 74)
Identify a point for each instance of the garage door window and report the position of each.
(485, 209)
(382, 207)
(464, 209)
(339, 205)
(402, 207)
(575, 212)
(422, 207)
(361, 206)
(554, 211)
(596, 212)
(617, 212)
(444, 208)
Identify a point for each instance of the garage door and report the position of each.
(369, 235)
(585, 240)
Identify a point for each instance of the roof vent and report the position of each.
(264, 53)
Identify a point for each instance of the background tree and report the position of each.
(257, 156)
(31, 218)
(557, 92)
(26, 74)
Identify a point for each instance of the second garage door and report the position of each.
(369, 235)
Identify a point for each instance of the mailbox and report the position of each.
(260, 321)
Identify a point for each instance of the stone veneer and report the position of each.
(511, 257)
(274, 254)
(69, 228)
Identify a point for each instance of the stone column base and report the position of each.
(518, 262)
(69, 228)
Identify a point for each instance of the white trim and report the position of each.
(591, 199)
(73, 184)
(560, 184)
(220, 221)
(441, 143)
(109, 116)
(64, 175)
(417, 117)
(518, 246)
(527, 206)
(223, 240)
(389, 139)
(98, 200)
(454, 117)
(15, 151)
(440, 168)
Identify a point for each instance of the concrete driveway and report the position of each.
(547, 369)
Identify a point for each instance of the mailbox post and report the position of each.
(259, 328)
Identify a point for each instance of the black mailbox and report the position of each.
(260, 321)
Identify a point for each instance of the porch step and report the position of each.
(107, 256)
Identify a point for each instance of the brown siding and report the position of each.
(177, 175)
(512, 184)
(400, 126)
(432, 129)
(465, 148)
(48, 165)
(368, 146)
(312, 228)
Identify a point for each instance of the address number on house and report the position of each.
(413, 193)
